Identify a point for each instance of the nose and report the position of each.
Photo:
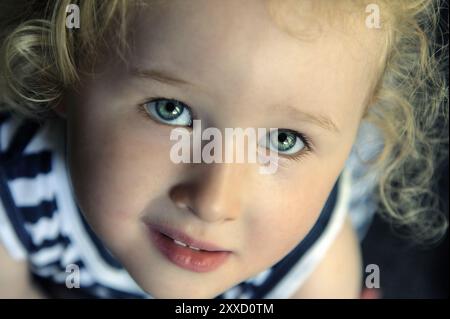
(217, 195)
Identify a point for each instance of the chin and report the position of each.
(164, 284)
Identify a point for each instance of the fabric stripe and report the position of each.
(47, 255)
(45, 228)
(48, 243)
(29, 166)
(32, 191)
(45, 209)
(13, 213)
(21, 138)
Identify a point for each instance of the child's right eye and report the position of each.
(168, 111)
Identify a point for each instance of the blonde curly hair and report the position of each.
(40, 58)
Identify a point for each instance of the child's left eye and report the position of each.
(283, 141)
(169, 111)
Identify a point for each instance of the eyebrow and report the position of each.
(162, 76)
(166, 77)
(320, 120)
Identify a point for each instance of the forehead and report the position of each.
(235, 46)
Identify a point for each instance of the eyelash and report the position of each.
(309, 146)
(144, 112)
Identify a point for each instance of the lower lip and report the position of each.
(187, 258)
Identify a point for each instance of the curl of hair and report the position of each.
(411, 110)
(40, 57)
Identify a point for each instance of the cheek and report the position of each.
(116, 168)
(287, 212)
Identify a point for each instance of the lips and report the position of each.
(186, 252)
(185, 239)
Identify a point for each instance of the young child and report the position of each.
(92, 204)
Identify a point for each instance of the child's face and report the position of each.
(245, 70)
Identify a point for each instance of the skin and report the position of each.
(242, 64)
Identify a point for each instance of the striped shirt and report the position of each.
(41, 223)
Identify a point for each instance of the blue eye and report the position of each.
(169, 111)
(284, 141)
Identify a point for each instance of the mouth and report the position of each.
(186, 252)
